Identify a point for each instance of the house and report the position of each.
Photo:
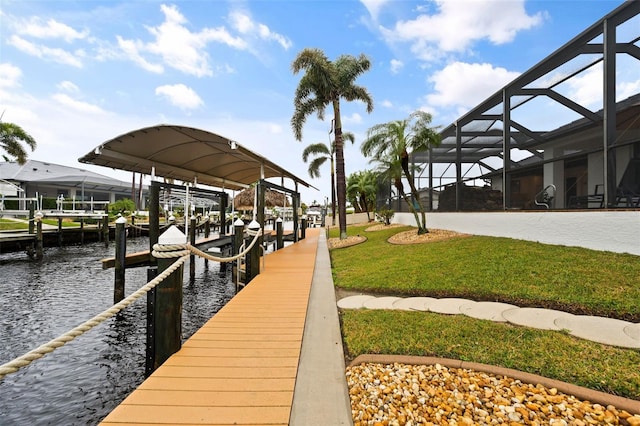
(507, 142)
(59, 187)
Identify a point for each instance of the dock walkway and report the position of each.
(244, 366)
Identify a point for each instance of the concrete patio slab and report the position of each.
(543, 319)
(413, 303)
(448, 305)
(609, 331)
(354, 302)
(486, 310)
(380, 302)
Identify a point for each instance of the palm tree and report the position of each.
(361, 190)
(326, 83)
(323, 152)
(12, 137)
(390, 145)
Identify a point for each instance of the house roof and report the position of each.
(186, 154)
(55, 174)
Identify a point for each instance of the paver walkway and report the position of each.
(609, 331)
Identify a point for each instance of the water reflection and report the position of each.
(84, 380)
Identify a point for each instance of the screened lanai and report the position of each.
(518, 144)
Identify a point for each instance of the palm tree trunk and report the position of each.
(422, 226)
(412, 209)
(341, 182)
(333, 191)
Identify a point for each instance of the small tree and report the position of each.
(122, 206)
(12, 137)
(390, 145)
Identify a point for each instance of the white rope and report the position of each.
(243, 252)
(29, 357)
(179, 251)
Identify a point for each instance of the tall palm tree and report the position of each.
(12, 137)
(361, 190)
(391, 143)
(326, 83)
(323, 152)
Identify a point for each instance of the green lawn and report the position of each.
(484, 268)
(12, 225)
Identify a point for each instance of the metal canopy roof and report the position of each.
(186, 154)
(481, 131)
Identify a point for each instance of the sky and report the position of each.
(75, 74)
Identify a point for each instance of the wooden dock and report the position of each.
(240, 368)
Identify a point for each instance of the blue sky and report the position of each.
(77, 73)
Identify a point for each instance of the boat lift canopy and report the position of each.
(186, 154)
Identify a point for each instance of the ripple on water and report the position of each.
(81, 382)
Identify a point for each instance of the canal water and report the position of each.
(81, 382)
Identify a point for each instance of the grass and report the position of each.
(485, 268)
(524, 273)
(548, 353)
(12, 225)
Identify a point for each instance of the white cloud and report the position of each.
(180, 95)
(53, 54)
(374, 6)
(67, 86)
(458, 24)
(178, 46)
(35, 27)
(586, 88)
(76, 105)
(131, 49)
(9, 75)
(461, 84)
(354, 118)
(396, 66)
(244, 24)
(275, 128)
(386, 103)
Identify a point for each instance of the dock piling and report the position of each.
(279, 234)
(166, 316)
(121, 253)
(192, 241)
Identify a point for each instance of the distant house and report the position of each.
(76, 188)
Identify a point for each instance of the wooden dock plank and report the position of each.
(241, 366)
(211, 398)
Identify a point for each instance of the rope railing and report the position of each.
(164, 251)
(26, 359)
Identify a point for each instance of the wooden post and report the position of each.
(224, 201)
(253, 257)
(238, 231)
(31, 218)
(207, 232)
(59, 231)
(166, 307)
(82, 230)
(295, 205)
(303, 227)
(279, 234)
(192, 241)
(105, 229)
(154, 216)
(121, 254)
(39, 252)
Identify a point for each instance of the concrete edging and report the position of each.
(602, 398)
(321, 395)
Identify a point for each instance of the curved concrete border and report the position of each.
(585, 394)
